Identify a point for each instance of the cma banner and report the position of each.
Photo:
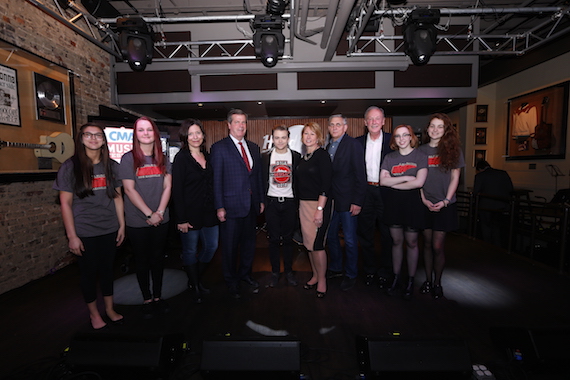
(120, 141)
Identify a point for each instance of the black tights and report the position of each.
(148, 248)
(97, 260)
(434, 255)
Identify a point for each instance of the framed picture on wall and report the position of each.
(479, 155)
(482, 112)
(9, 106)
(537, 124)
(49, 99)
(480, 136)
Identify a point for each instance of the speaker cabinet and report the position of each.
(398, 358)
(254, 359)
(145, 352)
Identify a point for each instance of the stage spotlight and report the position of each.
(136, 41)
(268, 39)
(420, 35)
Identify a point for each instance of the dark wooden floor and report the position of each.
(484, 287)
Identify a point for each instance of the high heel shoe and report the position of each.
(308, 286)
(321, 294)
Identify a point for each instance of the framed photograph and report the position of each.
(482, 112)
(49, 99)
(480, 136)
(479, 155)
(9, 105)
(537, 124)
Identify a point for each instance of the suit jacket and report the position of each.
(349, 175)
(386, 137)
(235, 188)
(265, 158)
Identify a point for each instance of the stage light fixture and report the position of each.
(420, 35)
(268, 39)
(136, 41)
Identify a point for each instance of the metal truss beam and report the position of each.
(464, 44)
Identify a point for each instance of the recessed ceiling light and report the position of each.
(200, 104)
(260, 103)
(323, 101)
(449, 100)
(388, 100)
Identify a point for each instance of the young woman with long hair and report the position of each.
(404, 172)
(445, 159)
(147, 182)
(92, 211)
(193, 200)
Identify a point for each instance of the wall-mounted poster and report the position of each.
(9, 107)
(480, 136)
(49, 99)
(482, 112)
(537, 124)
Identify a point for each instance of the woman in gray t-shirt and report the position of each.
(445, 160)
(92, 211)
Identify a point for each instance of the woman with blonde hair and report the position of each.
(312, 179)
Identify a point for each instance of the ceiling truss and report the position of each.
(100, 32)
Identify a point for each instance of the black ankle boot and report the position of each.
(409, 289)
(393, 289)
(192, 272)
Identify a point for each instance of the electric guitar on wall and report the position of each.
(58, 145)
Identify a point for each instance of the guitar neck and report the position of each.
(9, 144)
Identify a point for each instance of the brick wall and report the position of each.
(32, 237)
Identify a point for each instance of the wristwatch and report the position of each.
(319, 208)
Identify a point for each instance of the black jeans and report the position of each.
(148, 248)
(281, 218)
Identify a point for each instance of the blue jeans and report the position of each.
(207, 236)
(349, 227)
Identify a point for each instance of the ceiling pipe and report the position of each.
(303, 32)
(341, 19)
(329, 21)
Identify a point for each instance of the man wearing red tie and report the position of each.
(238, 192)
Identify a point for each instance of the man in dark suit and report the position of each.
(347, 191)
(376, 144)
(494, 187)
(238, 198)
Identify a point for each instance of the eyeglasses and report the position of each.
(401, 136)
(88, 135)
(337, 125)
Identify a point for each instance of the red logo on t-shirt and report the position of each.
(433, 161)
(402, 168)
(99, 181)
(149, 171)
(281, 174)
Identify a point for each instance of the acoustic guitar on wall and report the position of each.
(58, 145)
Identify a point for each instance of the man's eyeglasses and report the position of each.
(88, 135)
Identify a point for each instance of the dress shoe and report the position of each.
(118, 322)
(234, 292)
(426, 287)
(308, 286)
(347, 283)
(250, 281)
(369, 279)
(437, 292)
(274, 280)
(393, 289)
(147, 310)
(291, 281)
(333, 274)
(321, 294)
(161, 306)
(409, 291)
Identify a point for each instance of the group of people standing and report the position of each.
(351, 184)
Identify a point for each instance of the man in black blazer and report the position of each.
(376, 144)
(347, 192)
(238, 199)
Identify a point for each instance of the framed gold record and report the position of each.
(50, 103)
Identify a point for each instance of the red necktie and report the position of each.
(244, 155)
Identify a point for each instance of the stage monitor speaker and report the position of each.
(425, 359)
(254, 359)
(146, 352)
